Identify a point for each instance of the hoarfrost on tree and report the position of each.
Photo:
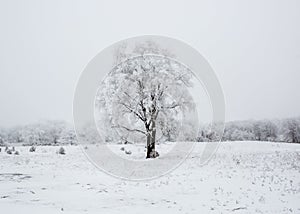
(144, 97)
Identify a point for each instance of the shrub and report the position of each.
(9, 152)
(32, 149)
(61, 151)
(127, 152)
(17, 153)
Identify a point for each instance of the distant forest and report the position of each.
(283, 130)
(59, 132)
(42, 133)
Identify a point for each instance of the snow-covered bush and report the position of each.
(61, 151)
(32, 149)
(128, 152)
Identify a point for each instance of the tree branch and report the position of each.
(171, 107)
(132, 110)
(128, 129)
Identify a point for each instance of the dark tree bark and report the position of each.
(151, 140)
(151, 133)
(148, 146)
(151, 152)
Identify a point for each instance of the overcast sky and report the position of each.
(253, 46)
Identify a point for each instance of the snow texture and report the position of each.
(242, 177)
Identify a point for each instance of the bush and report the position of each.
(128, 152)
(32, 149)
(61, 151)
(17, 153)
(9, 152)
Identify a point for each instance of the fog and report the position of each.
(253, 46)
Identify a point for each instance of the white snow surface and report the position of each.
(242, 177)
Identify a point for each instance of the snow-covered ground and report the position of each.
(243, 177)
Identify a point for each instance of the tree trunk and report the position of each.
(148, 144)
(151, 136)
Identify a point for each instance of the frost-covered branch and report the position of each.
(128, 129)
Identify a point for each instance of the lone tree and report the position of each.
(145, 95)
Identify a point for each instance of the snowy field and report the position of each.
(243, 177)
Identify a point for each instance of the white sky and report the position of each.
(253, 46)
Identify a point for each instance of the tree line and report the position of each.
(42, 133)
(283, 130)
(59, 133)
